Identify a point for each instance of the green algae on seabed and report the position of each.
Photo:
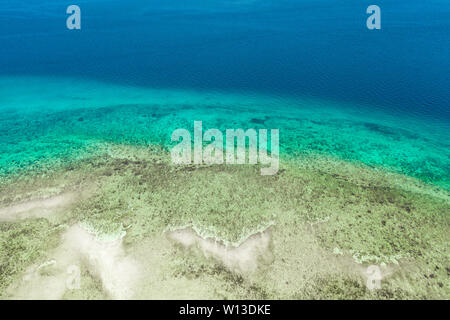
(154, 196)
(139, 191)
(21, 244)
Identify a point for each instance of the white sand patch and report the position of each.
(36, 208)
(107, 261)
(170, 274)
(243, 258)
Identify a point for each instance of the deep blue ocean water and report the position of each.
(311, 50)
(296, 47)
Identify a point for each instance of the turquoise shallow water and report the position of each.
(47, 120)
(310, 68)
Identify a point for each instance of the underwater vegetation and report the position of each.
(87, 181)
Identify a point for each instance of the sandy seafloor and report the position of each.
(87, 183)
